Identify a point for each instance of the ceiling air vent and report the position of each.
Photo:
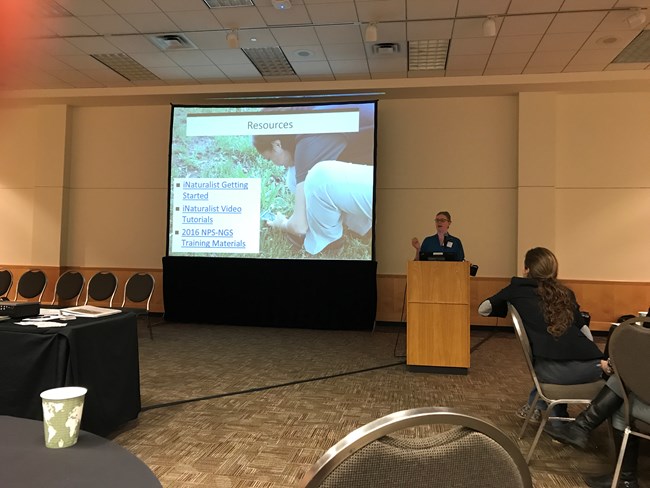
(171, 42)
(385, 48)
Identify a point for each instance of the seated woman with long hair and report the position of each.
(562, 353)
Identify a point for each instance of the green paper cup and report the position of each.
(62, 408)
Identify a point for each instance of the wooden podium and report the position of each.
(437, 331)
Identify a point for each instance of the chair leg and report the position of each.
(149, 326)
(531, 410)
(538, 434)
(619, 462)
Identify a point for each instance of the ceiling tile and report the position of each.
(296, 15)
(340, 52)
(108, 24)
(510, 60)
(559, 42)
(474, 61)
(595, 56)
(205, 72)
(556, 59)
(525, 25)
(310, 67)
(304, 53)
(94, 45)
(151, 23)
(196, 20)
(133, 44)
(590, 5)
(295, 36)
(241, 72)
(478, 45)
(68, 26)
(516, 44)
(426, 9)
(381, 10)
(575, 22)
(222, 57)
(468, 8)
(86, 7)
(339, 34)
(349, 67)
(180, 5)
(133, 6)
(153, 60)
(239, 17)
(324, 13)
(422, 30)
(609, 39)
(533, 6)
(188, 57)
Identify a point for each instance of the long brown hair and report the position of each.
(558, 303)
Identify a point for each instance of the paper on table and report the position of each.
(42, 324)
(90, 311)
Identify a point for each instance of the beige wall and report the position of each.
(514, 170)
(603, 186)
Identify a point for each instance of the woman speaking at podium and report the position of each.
(441, 241)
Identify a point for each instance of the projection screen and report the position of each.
(273, 182)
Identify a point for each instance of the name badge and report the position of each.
(450, 244)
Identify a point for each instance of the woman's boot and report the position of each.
(577, 432)
(627, 477)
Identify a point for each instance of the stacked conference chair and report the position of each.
(137, 296)
(101, 288)
(471, 453)
(551, 393)
(6, 279)
(628, 349)
(68, 287)
(31, 286)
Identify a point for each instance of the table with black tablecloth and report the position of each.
(92, 462)
(100, 354)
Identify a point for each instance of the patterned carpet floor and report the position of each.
(235, 407)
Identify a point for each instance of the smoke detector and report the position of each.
(281, 4)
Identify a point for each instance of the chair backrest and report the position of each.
(525, 343)
(628, 349)
(6, 279)
(139, 288)
(101, 287)
(31, 284)
(69, 286)
(474, 454)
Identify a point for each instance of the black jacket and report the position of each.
(571, 346)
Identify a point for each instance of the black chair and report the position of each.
(473, 453)
(101, 288)
(629, 346)
(68, 287)
(31, 284)
(6, 279)
(137, 291)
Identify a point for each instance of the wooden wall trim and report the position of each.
(604, 300)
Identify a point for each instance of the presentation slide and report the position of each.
(273, 182)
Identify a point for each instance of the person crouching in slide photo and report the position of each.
(329, 194)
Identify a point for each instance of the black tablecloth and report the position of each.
(100, 354)
(92, 462)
